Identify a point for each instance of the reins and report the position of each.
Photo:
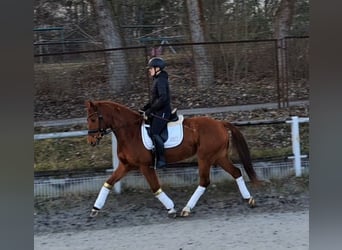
(105, 131)
(128, 124)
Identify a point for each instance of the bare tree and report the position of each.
(116, 60)
(282, 24)
(203, 63)
(283, 18)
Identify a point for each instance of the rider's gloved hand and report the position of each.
(146, 107)
(148, 112)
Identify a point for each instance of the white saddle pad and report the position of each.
(175, 130)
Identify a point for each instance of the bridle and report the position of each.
(102, 131)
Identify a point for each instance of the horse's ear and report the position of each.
(89, 104)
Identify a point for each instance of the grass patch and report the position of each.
(75, 154)
(71, 154)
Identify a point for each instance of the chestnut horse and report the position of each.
(208, 138)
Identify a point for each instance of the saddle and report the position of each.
(174, 116)
(172, 136)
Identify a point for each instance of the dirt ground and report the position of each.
(135, 218)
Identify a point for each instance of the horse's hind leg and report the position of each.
(204, 171)
(228, 166)
(152, 179)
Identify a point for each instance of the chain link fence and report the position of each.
(241, 72)
(174, 177)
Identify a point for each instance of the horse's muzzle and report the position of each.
(94, 140)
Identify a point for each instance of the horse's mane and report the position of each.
(120, 108)
(115, 104)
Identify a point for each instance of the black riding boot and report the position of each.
(160, 161)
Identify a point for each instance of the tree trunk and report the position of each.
(118, 76)
(283, 20)
(203, 64)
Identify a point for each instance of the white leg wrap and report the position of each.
(101, 198)
(195, 197)
(242, 187)
(165, 200)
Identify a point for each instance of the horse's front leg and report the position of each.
(204, 169)
(152, 179)
(120, 172)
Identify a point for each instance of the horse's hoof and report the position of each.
(172, 213)
(185, 212)
(251, 202)
(94, 213)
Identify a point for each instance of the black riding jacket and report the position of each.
(161, 102)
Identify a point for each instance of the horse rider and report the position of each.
(158, 110)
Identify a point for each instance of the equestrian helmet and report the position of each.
(156, 62)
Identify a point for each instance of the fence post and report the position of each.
(296, 145)
(115, 160)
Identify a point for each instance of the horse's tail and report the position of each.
(241, 146)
